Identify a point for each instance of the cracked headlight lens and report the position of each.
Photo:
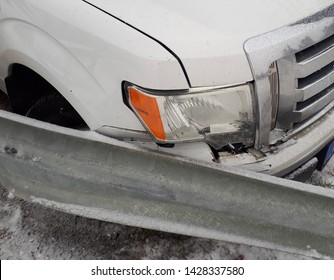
(219, 116)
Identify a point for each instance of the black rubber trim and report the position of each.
(154, 39)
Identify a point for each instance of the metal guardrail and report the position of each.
(87, 174)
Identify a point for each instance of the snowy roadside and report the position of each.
(30, 231)
(324, 178)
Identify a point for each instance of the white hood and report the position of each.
(208, 35)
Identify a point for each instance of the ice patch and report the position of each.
(11, 194)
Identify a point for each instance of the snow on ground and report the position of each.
(324, 178)
(30, 231)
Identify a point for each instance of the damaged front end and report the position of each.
(280, 124)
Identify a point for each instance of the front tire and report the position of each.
(54, 108)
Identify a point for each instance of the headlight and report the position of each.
(220, 116)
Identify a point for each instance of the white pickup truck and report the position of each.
(243, 83)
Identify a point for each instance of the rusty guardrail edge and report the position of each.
(91, 175)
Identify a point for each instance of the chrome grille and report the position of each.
(306, 83)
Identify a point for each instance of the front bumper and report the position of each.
(296, 150)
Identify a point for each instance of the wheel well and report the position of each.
(25, 87)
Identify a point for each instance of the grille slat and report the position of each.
(312, 86)
(310, 66)
(315, 50)
(306, 109)
(307, 83)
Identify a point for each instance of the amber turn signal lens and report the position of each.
(148, 110)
